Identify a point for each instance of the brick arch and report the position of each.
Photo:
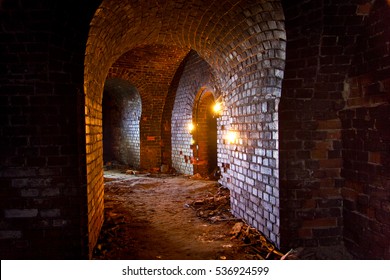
(244, 44)
(204, 134)
(195, 76)
(150, 68)
(336, 70)
(246, 36)
(122, 109)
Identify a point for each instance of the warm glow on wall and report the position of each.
(231, 137)
(191, 127)
(217, 108)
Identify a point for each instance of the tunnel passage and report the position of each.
(121, 117)
(244, 45)
(150, 69)
(325, 182)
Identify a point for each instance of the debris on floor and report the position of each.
(108, 238)
(162, 216)
(255, 243)
(216, 208)
(132, 172)
(196, 176)
(236, 230)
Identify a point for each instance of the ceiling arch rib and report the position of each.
(225, 34)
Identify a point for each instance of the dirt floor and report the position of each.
(156, 216)
(160, 216)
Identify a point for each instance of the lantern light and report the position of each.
(217, 108)
(191, 127)
(231, 137)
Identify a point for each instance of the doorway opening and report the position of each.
(204, 134)
(122, 110)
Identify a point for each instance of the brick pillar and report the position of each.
(320, 49)
(43, 175)
(366, 138)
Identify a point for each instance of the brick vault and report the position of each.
(304, 86)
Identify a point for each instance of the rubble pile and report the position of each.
(214, 207)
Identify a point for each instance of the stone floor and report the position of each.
(162, 216)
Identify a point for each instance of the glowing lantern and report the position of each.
(191, 127)
(231, 137)
(217, 108)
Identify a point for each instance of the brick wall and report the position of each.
(194, 81)
(42, 185)
(312, 188)
(121, 117)
(366, 140)
(332, 150)
(250, 165)
(319, 50)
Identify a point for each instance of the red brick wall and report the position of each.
(302, 144)
(366, 140)
(321, 43)
(333, 142)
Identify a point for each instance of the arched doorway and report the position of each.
(122, 110)
(204, 134)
